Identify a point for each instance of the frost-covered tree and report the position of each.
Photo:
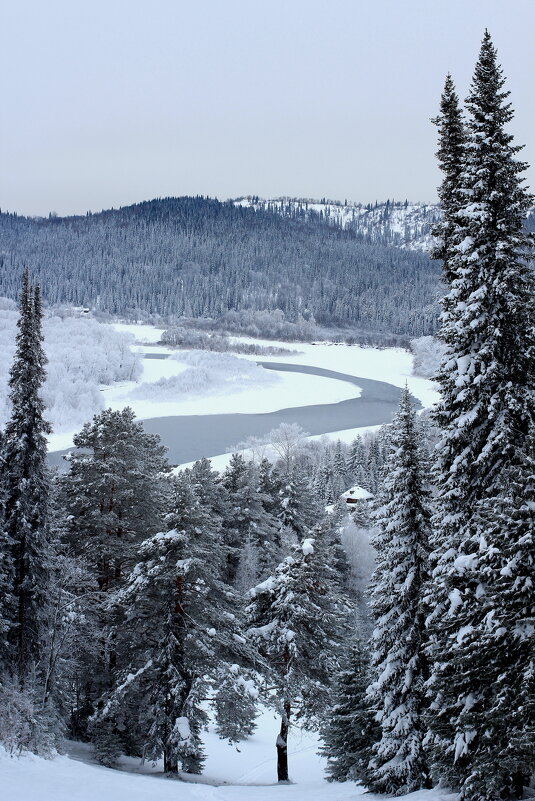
(288, 441)
(450, 155)
(114, 496)
(482, 602)
(374, 464)
(350, 730)
(7, 574)
(298, 619)
(322, 485)
(211, 490)
(181, 634)
(114, 492)
(26, 543)
(30, 639)
(339, 463)
(400, 669)
(235, 706)
(251, 532)
(299, 507)
(356, 456)
(269, 484)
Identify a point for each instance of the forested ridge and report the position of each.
(197, 257)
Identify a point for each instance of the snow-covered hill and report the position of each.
(401, 224)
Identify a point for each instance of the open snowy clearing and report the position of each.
(243, 773)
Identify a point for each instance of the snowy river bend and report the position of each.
(189, 437)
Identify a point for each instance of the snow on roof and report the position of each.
(307, 546)
(356, 493)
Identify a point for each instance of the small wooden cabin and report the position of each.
(356, 494)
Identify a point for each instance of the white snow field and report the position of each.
(393, 365)
(247, 774)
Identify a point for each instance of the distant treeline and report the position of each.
(198, 257)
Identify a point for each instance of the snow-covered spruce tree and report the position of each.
(340, 465)
(482, 600)
(209, 487)
(235, 521)
(235, 706)
(27, 553)
(351, 729)
(450, 155)
(322, 485)
(181, 636)
(28, 686)
(356, 457)
(7, 579)
(400, 669)
(374, 464)
(299, 507)
(114, 496)
(251, 532)
(298, 619)
(269, 484)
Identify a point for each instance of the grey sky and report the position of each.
(109, 102)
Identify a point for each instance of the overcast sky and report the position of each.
(109, 102)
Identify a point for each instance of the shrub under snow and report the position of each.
(82, 354)
(427, 352)
(206, 373)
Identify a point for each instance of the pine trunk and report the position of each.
(170, 762)
(282, 745)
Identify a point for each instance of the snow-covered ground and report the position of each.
(253, 390)
(243, 773)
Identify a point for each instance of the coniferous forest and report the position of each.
(199, 257)
(138, 601)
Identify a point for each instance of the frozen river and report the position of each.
(190, 437)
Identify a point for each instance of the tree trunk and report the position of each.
(282, 745)
(518, 781)
(170, 762)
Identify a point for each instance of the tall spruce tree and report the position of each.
(251, 533)
(482, 599)
(351, 729)
(25, 488)
(182, 634)
(450, 155)
(7, 576)
(399, 764)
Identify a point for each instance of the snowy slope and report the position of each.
(399, 224)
